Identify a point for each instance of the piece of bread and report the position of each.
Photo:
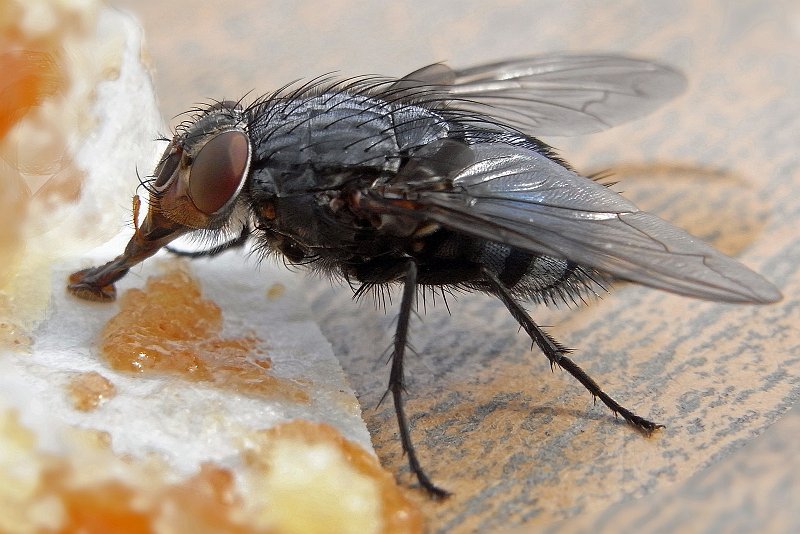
(204, 400)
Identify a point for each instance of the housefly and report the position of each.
(433, 179)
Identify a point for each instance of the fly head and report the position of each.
(195, 186)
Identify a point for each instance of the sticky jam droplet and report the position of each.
(89, 390)
(170, 328)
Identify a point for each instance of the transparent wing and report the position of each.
(519, 197)
(558, 94)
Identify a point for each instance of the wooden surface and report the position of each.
(517, 444)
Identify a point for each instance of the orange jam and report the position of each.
(89, 390)
(169, 328)
(29, 76)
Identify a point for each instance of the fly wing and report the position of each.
(517, 196)
(556, 94)
(434, 75)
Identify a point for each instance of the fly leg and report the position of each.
(556, 353)
(397, 379)
(236, 242)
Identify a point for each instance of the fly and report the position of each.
(433, 180)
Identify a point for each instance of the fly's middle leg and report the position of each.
(397, 379)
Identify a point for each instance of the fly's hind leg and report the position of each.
(556, 353)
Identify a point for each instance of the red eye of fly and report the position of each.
(218, 171)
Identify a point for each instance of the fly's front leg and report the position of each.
(237, 242)
(397, 379)
(556, 353)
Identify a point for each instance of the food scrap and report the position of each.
(87, 391)
(303, 478)
(275, 291)
(351, 491)
(12, 337)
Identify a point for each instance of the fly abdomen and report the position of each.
(447, 258)
(508, 263)
(537, 277)
(554, 280)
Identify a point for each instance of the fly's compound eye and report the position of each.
(165, 172)
(218, 171)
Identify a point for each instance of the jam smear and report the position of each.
(170, 328)
(29, 76)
